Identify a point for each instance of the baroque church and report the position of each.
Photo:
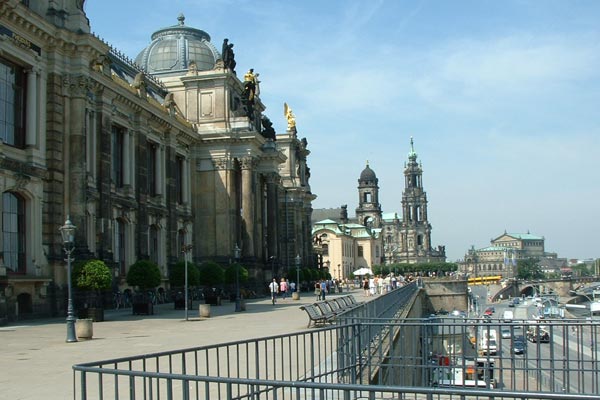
(144, 157)
(392, 238)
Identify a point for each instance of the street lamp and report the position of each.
(236, 253)
(272, 259)
(68, 236)
(298, 260)
(185, 250)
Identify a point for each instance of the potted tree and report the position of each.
(93, 277)
(211, 276)
(177, 280)
(144, 275)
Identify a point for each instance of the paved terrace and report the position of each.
(36, 361)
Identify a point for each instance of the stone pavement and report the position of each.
(35, 360)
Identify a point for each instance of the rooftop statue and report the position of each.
(250, 84)
(289, 115)
(228, 56)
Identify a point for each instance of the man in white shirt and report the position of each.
(274, 288)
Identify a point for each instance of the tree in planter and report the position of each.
(144, 275)
(211, 275)
(93, 277)
(230, 276)
(177, 280)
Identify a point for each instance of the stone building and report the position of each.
(500, 258)
(144, 157)
(393, 239)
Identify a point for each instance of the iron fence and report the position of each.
(434, 358)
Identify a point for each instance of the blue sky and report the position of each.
(502, 99)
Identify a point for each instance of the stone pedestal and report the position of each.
(296, 296)
(204, 310)
(84, 328)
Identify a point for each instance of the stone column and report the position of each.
(272, 205)
(247, 207)
(32, 111)
(185, 181)
(127, 161)
(77, 87)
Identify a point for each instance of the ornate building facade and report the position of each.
(391, 238)
(501, 257)
(144, 157)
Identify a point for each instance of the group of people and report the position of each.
(379, 285)
(281, 288)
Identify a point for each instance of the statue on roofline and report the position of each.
(289, 115)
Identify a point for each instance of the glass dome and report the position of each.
(175, 47)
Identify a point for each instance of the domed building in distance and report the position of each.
(374, 237)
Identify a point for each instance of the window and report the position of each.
(151, 168)
(120, 245)
(367, 197)
(325, 248)
(360, 251)
(118, 137)
(153, 245)
(13, 231)
(180, 163)
(181, 240)
(12, 104)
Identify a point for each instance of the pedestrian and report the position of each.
(323, 289)
(365, 286)
(273, 288)
(318, 290)
(292, 287)
(283, 288)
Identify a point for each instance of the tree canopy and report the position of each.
(144, 274)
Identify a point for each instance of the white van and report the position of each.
(508, 316)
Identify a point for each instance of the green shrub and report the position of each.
(177, 274)
(230, 273)
(91, 275)
(144, 274)
(211, 273)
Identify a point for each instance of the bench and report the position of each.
(323, 312)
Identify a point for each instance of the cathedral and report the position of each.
(342, 244)
(145, 157)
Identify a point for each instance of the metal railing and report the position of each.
(367, 358)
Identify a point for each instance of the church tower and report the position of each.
(368, 212)
(415, 240)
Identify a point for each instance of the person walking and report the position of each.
(283, 288)
(274, 288)
(323, 289)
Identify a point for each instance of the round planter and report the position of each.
(84, 328)
(204, 310)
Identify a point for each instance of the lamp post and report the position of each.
(236, 253)
(298, 260)
(185, 250)
(272, 259)
(68, 236)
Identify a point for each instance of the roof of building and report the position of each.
(525, 236)
(389, 216)
(492, 248)
(174, 48)
(368, 174)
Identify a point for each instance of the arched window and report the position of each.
(13, 232)
(153, 245)
(12, 104)
(120, 245)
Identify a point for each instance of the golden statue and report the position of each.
(289, 115)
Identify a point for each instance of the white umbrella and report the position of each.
(363, 271)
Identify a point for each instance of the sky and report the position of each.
(502, 99)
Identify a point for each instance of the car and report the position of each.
(505, 333)
(511, 304)
(488, 311)
(535, 334)
(518, 345)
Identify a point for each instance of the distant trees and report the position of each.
(440, 268)
(529, 268)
